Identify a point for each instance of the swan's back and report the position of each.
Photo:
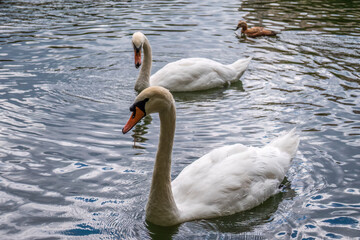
(194, 74)
(233, 178)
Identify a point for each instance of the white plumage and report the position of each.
(194, 74)
(233, 178)
(188, 74)
(227, 180)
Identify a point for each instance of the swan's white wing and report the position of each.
(193, 74)
(228, 180)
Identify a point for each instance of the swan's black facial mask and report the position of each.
(138, 110)
(140, 105)
(137, 49)
(137, 52)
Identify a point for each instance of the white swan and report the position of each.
(188, 74)
(227, 180)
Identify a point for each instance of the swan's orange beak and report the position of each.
(136, 116)
(137, 57)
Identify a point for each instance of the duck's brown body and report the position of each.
(254, 31)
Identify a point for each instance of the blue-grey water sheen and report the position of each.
(66, 83)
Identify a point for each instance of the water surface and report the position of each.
(66, 83)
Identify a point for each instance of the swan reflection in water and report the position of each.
(243, 222)
(207, 95)
(140, 130)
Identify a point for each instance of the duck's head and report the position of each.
(150, 100)
(241, 24)
(138, 40)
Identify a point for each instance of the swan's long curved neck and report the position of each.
(161, 208)
(143, 80)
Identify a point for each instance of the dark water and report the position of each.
(66, 82)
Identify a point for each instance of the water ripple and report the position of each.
(67, 77)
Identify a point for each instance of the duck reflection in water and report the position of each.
(140, 130)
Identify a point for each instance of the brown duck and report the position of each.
(254, 31)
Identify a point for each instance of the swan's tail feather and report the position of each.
(287, 143)
(240, 66)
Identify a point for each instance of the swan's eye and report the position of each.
(132, 108)
(137, 49)
(140, 105)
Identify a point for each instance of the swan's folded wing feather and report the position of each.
(228, 180)
(193, 74)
